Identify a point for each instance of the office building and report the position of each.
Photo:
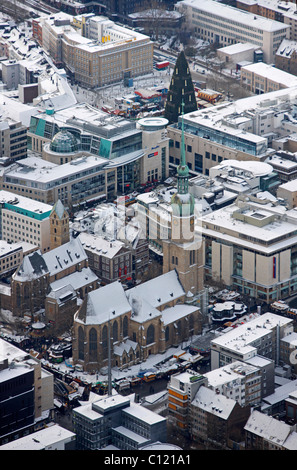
(263, 78)
(260, 336)
(251, 245)
(281, 11)
(242, 130)
(24, 220)
(72, 183)
(118, 422)
(225, 25)
(54, 437)
(110, 54)
(11, 255)
(27, 396)
(13, 138)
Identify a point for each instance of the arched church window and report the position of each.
(81, 354)
(115, 335)
(167, 333)
(105, 342)
(191, 324)
(125, 327)
(93, 344)
(18, 295)
(150, 335)
(26, 296)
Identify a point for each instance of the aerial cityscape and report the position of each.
(148, 227)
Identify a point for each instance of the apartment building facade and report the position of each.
(263, 78)
(225, 25)
(216, 419)
(263, 432)
(24, 220)
(182, 389)
(239, 381)
(11, 256)
(111, 260)
(13, 140)
(283, 12)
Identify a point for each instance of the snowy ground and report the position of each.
(9, 329)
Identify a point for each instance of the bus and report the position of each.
(162, 65)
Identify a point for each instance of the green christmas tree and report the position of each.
(181, 89)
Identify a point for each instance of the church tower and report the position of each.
(59, 225)
(183, 250)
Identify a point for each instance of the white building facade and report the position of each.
(225, 25)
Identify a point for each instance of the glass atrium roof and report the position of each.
(64, 142)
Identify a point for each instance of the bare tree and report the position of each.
(154, 14)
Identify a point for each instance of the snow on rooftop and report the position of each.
(24, 203)
(240, 17)
(159, 290)
(104, 247)
(77, 279)
(274, 231)
(243, 337)
(272, 73)
(47, 437)
(214, 403)
(255, 168)
(239, 47)
(289, 185)
(48, 174)
(64, 256)
(215, 115)
(103, 304)
(171, 314)
(267, 427)
(228, 373)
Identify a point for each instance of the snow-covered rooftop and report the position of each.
(272, 73)
(268, 428)
(244, 336)
(101, 245)
(158, 291)
(50, 436)
(211, 402)
(277, 230)
(239, 17)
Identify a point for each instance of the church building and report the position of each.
(147, 319)
(183, 250)
(155, 315)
